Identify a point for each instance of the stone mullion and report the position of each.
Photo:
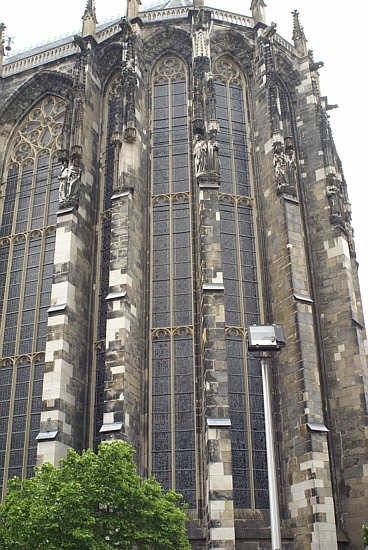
(217, 430)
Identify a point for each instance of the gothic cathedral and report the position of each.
(169, 180)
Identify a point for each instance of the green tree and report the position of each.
(92, 502)
(365, 534)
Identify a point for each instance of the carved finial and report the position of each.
(89, 19)
(132, 9)
(2, 50)
(300, 42)
(258, 11)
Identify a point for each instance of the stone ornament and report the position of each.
(69, 187)
(285, 167)
(340, 209)
(201, 34)
(206, 157)
(335, 199)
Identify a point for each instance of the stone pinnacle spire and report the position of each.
(89, 19)
(2, 51)
(132, 8)
(300, 42)
(258, 11)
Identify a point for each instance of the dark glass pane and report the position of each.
(161, 417)
(53, 205)
(13, 302)
(10, 194)
(24, 198)
(39, 193)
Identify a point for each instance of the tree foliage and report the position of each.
(91, 502)
(365, 533)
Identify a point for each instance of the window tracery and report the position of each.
(27, 241)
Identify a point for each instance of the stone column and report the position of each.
(217, 425)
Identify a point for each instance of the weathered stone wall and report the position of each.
(338, 308)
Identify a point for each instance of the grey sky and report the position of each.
(335, 33)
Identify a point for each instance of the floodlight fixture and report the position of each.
(265, 338)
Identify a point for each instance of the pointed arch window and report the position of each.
(172, 403)
(27, 241)
(242, 304)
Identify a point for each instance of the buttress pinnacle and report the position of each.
(258, 11)
(300, 42)
(89, 19)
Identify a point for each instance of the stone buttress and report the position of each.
(64, 397)
(307, 499)
(124, 329)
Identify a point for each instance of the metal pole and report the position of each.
(271, 465)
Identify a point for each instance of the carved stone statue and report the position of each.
(285, 168)
(69, 184)
(206, 156)
(279, 164)
(200, 155)
(291, 167)
(335, 199)
(213, 160)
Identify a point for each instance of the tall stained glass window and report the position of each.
(241, 291)
(27, 241)
(172, 408)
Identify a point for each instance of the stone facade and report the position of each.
(198, 191)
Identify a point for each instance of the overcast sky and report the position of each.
(336, 34)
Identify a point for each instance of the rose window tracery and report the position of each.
(40, 130)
